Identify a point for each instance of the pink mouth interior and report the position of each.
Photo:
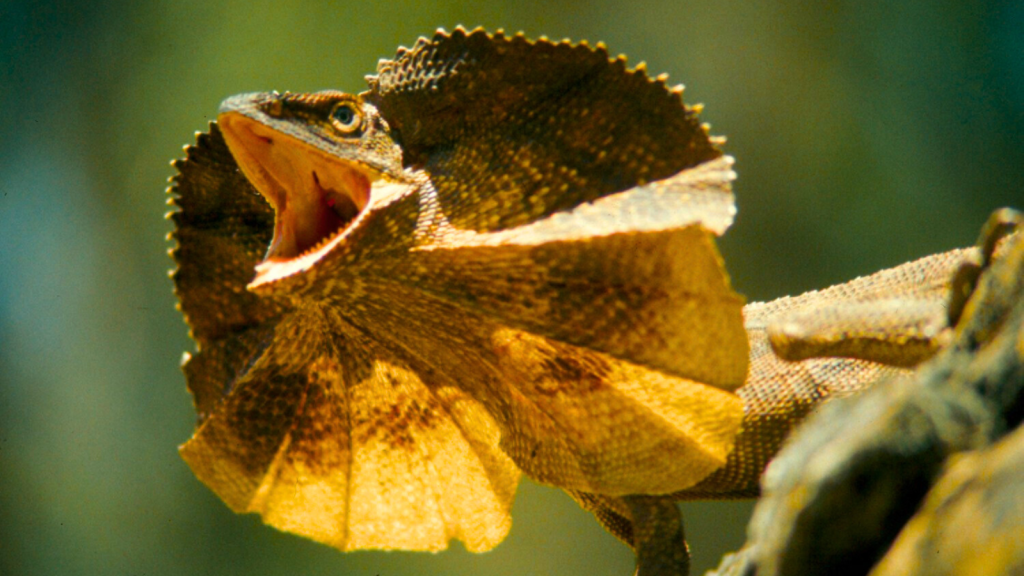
(315, 196)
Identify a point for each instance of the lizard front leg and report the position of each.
(903, 327)
(651, 525)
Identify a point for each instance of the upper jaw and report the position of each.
(315, 195)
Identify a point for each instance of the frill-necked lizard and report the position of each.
(498, 258)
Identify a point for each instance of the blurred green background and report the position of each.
(866, 134)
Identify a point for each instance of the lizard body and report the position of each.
(779, 394)
(498, 258)
(919, 478)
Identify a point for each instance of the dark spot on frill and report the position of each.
(398, 424)
(577, 373)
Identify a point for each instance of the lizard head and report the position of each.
(314, 158)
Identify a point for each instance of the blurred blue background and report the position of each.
(866, 134)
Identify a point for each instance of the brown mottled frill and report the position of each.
(545, 296)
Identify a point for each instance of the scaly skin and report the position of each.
(925, 475)
(778, 394)
(498, 258)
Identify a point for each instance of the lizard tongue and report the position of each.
(314, 195)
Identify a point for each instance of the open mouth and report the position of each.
(315, 196)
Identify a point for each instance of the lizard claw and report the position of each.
(1000, 224)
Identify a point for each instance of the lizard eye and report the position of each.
(345, 118)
